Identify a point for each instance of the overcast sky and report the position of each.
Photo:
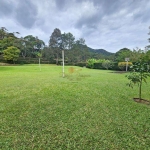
(106, 24)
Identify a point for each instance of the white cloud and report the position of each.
(110, 25)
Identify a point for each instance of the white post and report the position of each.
(126, 59)
(39, 64)
(127, 66)
(63, 63)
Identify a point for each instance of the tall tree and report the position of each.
(80, 51)
(7, 39)
(148, 46)
(55, 43)
(122, 54)
(149, 34)
(3, 33)
(32, 45)
(68, 40)
(21, 44)
(136, 54)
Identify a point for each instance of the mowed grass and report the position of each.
(86, 110)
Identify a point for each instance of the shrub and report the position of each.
(97, 65)
(122, 65)
(81, 64)
(107, 64)
(90, 63)
(70, 64)
(11, 54)
(115, 66)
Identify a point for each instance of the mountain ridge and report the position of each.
(100, 51)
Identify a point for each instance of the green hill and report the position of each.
(101, 51)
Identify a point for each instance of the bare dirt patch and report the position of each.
(142, 101)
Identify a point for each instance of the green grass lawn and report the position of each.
(86, 110)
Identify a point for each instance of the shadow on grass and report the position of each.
(119, 72)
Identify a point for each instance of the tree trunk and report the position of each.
(39, 64)
(140, 91)
(63, 63)
(57, 59)
(140, 88)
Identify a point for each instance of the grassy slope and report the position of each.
(89, 109)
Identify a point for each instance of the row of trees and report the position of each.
(119, 63)
(134, 55)
(13, 47)
(30, 47)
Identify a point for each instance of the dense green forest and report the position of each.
(15, 49)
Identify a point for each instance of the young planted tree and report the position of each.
(140, 72)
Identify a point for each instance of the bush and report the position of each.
(29, 60)
(98, 65)
(81, 64)
(70, 64)
(90, 63)
(11, 54)
(122, 65)
(107, 64)
(115, 66)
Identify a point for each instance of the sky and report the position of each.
(104, 24)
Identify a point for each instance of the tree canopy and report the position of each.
(122, 54)
(11, 53)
